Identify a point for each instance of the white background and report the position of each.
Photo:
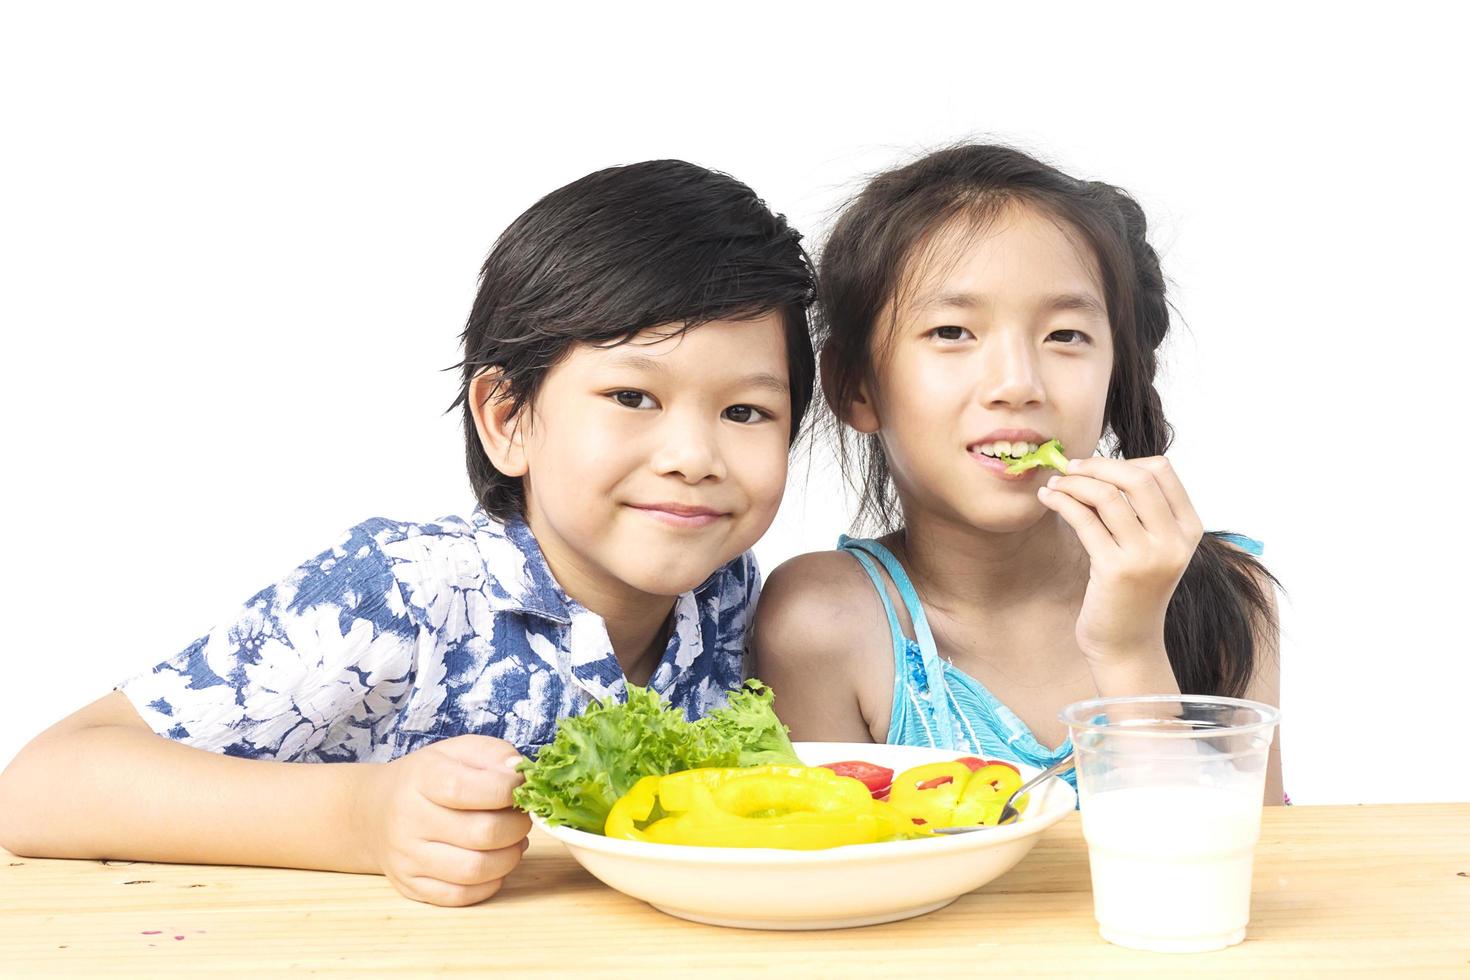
(239, 243)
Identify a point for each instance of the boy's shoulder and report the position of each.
(385, 530)
(432, 560)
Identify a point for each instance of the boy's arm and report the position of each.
(101, 784)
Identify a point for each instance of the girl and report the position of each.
(974, 305)
(636, 364)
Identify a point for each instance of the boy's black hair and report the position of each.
(617, 252)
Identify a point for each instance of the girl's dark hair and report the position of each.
(1208, 628)
(617, 252)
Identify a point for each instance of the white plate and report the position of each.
(857, 885)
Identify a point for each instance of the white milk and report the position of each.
(1171, 865)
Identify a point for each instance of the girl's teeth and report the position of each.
(1014, 450)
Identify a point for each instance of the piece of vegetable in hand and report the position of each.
(1047, 454)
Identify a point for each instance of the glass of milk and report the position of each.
(1171, 790)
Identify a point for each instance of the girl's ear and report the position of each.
(861, 414)
(498, 425)
(857, 411)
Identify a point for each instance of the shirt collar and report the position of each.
(523, 581)
(520, 579)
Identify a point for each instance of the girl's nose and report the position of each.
(689, 450)
(1010, 376)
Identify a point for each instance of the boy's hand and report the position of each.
(438, 822)
(1140, 531)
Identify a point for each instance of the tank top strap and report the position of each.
(866, 549)
(895, 628)
(1245, 543)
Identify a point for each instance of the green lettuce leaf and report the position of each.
(597, 756)
(746, 732)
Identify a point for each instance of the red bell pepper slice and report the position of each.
(876, 778)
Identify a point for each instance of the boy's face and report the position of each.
(650, 464)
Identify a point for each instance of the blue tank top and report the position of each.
(936, 704)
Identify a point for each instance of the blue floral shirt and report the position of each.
(404, 634)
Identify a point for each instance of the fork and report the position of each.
(1009, 813)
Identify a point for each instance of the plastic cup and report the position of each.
(1171, 791)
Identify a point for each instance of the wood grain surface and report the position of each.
(1338, 889)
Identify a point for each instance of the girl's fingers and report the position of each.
(1145, 495)
(1083, 519)
(1115, 511)
(1174, 492)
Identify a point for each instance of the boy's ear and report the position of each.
(857, 411)
(500, 431)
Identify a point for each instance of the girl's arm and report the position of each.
(808, 640)
(1140, 530)
(1265, 687)
(100, 784)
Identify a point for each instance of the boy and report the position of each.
(637, 362)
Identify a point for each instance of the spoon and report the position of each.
(1009, 813)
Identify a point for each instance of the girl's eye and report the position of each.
(1069, 337)
(745, 414)
(949, 332)
(632, 399)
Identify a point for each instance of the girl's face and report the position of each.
(649, 465)
(999, 335)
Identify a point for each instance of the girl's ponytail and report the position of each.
(1223, 602)
(1219, 609)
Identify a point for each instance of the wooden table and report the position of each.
(1373, 889)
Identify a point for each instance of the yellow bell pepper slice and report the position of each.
(929, 792)
(950, 794)
(985, 796)
(792, 807)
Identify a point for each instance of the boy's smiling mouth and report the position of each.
(681, 515)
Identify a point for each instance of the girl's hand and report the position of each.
(1140, 532)
(438, 822)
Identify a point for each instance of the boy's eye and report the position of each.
(949, 332)
(632, 399)
(744, 414)
(1069, 337)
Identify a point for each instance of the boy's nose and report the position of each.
(688, 450)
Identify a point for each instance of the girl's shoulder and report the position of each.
(820, 586)
(821, 641)
(819, 607)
